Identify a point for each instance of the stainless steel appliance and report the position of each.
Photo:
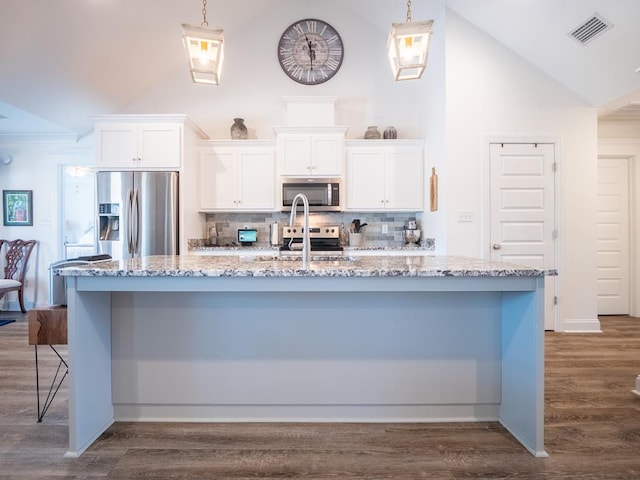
(323, 239)
(411, 233)
(323, 193)
(137, 213)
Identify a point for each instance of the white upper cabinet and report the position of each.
(385, 175)
(140, 141)
(302, 153)
(238, 177)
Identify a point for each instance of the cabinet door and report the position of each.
(365, 179)
(257, 185)
(139, 146)
(327, 155)
(217, 181)
(295, 154)
(117, 146)
(405, 179)
(159, 146)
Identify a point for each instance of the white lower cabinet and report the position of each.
(237, 178)
(385, 177)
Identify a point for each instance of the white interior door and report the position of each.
(523, 210)
(613, 236)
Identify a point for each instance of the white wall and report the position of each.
(253, 84)
(433, 99)
(36, 166)
(493, 93)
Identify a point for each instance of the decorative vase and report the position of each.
(372, 133)
(238, 129)
(390, 133)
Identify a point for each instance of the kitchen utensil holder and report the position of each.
(355, 239)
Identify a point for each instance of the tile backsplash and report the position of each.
(227, 225)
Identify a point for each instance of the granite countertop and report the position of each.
(268, 248)
(291, 266)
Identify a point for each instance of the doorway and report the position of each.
(613, 236)
(522, 210)
(77, 217)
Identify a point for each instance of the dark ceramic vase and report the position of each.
(238, 129)
(390, 133)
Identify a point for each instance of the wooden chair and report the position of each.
(15, 267)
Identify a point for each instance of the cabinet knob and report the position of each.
(497, 246)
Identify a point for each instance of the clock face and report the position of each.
(310, 51)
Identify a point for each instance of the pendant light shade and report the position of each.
(408, 47)
(205, 48)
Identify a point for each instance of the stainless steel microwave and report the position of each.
(323, 193)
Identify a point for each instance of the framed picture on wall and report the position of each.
(17, 208)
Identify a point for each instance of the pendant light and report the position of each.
(205, 49)
(408, 47)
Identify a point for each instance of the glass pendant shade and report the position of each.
(205, 48)
(408, 49)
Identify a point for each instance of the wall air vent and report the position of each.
(591, 28)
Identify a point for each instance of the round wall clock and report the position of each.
(310, 51)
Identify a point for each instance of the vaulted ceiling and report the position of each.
(62, 61)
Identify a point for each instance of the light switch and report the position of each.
(465, 216)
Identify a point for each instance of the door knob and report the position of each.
(497, 246)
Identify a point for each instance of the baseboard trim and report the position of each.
(582, 325)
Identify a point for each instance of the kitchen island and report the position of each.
(260, 338)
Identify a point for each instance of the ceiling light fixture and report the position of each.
(205, 49)
(408, 47)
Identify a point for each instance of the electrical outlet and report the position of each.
(385, 228)
(465, 216)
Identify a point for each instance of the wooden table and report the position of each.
(48, 326)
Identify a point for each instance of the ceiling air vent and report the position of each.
(590, 29)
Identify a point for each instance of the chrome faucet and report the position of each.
(306, 246)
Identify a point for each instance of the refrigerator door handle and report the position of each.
(130, 223)
(135, 231)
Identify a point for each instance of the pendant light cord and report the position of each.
(204, 14)
(408, 11)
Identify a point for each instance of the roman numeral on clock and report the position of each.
(332, 63)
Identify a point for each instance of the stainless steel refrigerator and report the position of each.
(137, 213)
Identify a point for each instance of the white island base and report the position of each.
(328, 349)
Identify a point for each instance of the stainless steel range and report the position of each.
(323, 239)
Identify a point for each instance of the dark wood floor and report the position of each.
(592, 430)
